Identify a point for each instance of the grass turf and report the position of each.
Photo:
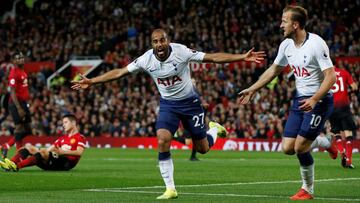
(131, 175)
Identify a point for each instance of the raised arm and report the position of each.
(85, 82)
(273, 71)
(256, 57)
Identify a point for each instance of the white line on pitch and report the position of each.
(221, 194)
(228, 184)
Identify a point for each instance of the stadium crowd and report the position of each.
(118, 31)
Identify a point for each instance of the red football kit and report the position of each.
(19, 79)
(70, 143)
(340, 88)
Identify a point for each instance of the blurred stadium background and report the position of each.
(62, 38)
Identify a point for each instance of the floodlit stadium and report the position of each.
(198, 101)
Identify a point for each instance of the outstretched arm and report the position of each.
(256, 57)
(85, 82)
(273, 71)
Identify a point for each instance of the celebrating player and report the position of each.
(167, 64)
(308, 56)
(63, 155)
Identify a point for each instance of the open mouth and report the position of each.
(161, 52)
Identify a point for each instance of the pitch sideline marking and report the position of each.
(221, 194)
(223, 184)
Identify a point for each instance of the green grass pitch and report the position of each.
(132, 175)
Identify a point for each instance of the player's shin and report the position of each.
(321, 141)
(21, 155)
(31, 161)
(307, 171)
(348, 149)
(339, 143)
(211, 136)
(167, 169)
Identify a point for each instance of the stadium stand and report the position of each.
(118, 31)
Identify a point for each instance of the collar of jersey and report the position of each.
(170, 50)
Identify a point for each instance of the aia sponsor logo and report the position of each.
(170, 81)
(300, 71)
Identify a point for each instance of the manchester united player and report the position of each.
(341, 119)
(63, 155)
(18, 103)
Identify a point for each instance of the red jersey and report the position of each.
(340, 88)
(18, 79)
(70, 143)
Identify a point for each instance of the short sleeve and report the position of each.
(12, 78)
(322, 55)
(191, 55)
(81, 141)
(281, 59)
(138, 64)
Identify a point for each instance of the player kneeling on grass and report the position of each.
(62, 155)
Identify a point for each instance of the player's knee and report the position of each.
(163, 142)
(288, 150)
(202, 149)
(300, 149)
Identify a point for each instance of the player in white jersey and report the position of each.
(168, 64)
(308, 56)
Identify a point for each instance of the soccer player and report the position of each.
(341, 119)
(62, 155)
(308, 56)
(168, 65)
(18, 103)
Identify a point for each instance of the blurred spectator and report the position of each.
(116, 30)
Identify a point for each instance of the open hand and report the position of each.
(307, 105)
(245, 96)
(83, 83)
(255, 56)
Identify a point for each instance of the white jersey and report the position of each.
(172, 76)
(307, 62)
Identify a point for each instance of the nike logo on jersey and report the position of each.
(195, 100)
(289, 56)
(152, 70)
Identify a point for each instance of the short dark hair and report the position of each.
(16, 53)
(70, 116)
(298, 14)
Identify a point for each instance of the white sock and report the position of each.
(321, 141)
(167, 173)
(213, 132)
(307, 176)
